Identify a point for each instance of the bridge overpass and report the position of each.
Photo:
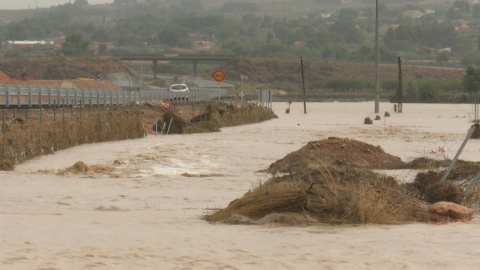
(173, 57)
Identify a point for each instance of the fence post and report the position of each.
(49, 97)
(54, 125)
(29, 97)
(40, 97)
(104, 98)
(168, 130)
(75, 97)
(19, 97)
(474, 180)
(3, 121)
(82, 100)
(469, 134)
(193, 111)
(98, 98)
(67, 97)
(58, 96)
(81, 120)
(7, 97)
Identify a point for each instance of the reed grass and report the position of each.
(57, 131)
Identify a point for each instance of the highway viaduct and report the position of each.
(172, 57)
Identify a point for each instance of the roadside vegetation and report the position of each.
(44, 132)
(215, 116)
(50, 130)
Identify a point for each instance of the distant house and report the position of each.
(10, 44)
(384, 28)
(194, 35)
(415, 14)
(57, 42)
(325, 15)
(202, 45)
(429, 11)
(426, 49)
(299, 43)
(461, 26)
(95, 47)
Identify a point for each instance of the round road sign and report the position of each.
(219, 75)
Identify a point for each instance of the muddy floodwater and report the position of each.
(146, 212)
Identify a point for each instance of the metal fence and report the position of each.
(31, 97)
(265, 97)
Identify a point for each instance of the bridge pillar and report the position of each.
(155, 68)
(195, 68)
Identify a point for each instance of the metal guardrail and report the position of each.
(12, 96)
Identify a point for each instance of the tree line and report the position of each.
(241, 29)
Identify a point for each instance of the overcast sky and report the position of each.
(25, 4)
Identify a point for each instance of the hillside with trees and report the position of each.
(335, 40)
(424, 32)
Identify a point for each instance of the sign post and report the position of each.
(219, 75)
(242, 94)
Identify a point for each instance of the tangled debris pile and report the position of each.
(333, 181)
(82, 168)
(210, 117)
(476, 132)
(428, 184)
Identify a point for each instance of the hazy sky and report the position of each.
(25, 4)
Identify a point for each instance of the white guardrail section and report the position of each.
(12, 96)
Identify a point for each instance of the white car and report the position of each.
(179, 88)
(179, 92)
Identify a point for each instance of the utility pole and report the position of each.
(377, 79)
(400, 86)
(303, 82)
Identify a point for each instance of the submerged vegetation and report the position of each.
(328, 183)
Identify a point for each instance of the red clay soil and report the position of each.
(4, 79)
(77, 83)
(94, 84)
(338, 149)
